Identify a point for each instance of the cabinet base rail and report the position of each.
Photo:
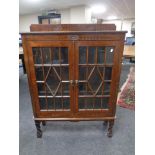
(108, 123)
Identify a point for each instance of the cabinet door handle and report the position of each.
(71, 82)
(76, 82)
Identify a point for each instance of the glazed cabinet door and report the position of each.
(96, 78)
(51, 71)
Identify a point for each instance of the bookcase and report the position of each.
(73, 72)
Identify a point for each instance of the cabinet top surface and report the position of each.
(73, 32)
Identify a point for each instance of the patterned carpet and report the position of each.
(126, 98)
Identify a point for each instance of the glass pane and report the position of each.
(84, 89)
(42, 102)
(90, 103)
(58, 103)
(105, 102)
(81, 103)
(39, 73)
(65, 89)
(64, 55)
(53, 81)
(82, 73)
(93, 103)
(100, 56)
(41, 88)
(82, 55)
(50, 104)
(109, 55)
(65, 73)
(97, 104)
(106, 88)
(108, 73)
(46, 55)
(101, 71)
(36, 55)
(66, 103)
(91, 55)
(95, 80)
(56, 55)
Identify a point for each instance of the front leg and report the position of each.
(39, 132)
(111, 123)
(44, 123)
(105, 123)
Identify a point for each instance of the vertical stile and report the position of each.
(104, 73)
(96, 69)
(44, 76)
(60, 75)
(51, 59)
(86, 75)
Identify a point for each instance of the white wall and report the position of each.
(26, 20)
(122, 25)
(75, 15)
(65, 16)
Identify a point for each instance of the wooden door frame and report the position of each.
(114, 79)
(33, 85)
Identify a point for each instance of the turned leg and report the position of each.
(110, 126)
(44, 123)
(39, 132)
(105, 123)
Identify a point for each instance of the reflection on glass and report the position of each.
(65, 88)
(39, 73)
(95, 80)
(106, 88)
(109, 55)
(46, 55)
(52, 81)
(82, 73)
(41, 89)
(100, 55)
(55, 55)
(97, 104)
(82, 55)
(81, 102)
(84, 89)
(50, 55)
(36, 55)
(64, 55)
(42, 102)
(91, 55)
(50, 104)
(91, 103)
(105, 102)
(66, 103)
(108, 73)
(65, 73)
(58, 103)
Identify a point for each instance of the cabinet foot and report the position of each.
(105, 123)
(44, 123)
(39, 131)
(110, 126)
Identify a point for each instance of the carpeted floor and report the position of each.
(69, 138)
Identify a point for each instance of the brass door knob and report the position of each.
(71, 82)
(76, 82)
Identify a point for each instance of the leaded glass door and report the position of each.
(52, 77)
(94, 76)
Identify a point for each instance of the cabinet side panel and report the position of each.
(26, 60)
